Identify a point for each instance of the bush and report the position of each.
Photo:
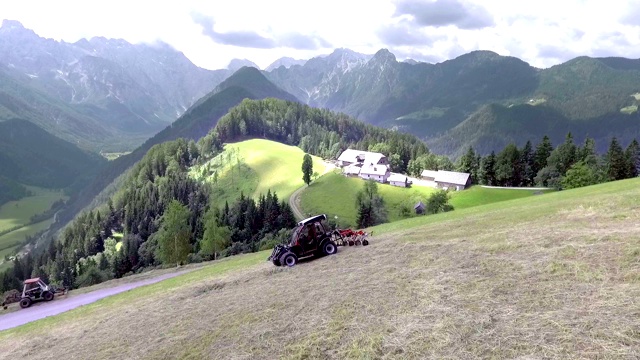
(438, 202)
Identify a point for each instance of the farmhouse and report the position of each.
(360, 158)
(429, 175)
(398, 180)
(379, 173)
(452, 180)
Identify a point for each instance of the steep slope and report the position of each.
(31, 156)
(555, 274)
(123, 93)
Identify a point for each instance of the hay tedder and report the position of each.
(344, 237)
(312, 238)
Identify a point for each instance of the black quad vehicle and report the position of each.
(310, 238)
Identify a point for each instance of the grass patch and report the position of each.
(267, 165)
(114, 155)
(335, 195)
(629, 109)
(11, 241)
(18, 213)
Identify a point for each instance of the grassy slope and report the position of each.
(554, 276)
(275, 166)
(16, 213)
(334, 194)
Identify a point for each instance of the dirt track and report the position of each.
(42, 310)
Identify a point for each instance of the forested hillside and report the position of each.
(317, 131)
(31, 156)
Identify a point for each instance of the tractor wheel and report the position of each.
(365, 242)
(276, 262)
(329, 248)
(47, 296)
(351, 243)
(289, 259)
(358, 242)
(25, 303)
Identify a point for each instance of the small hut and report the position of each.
(419, 208)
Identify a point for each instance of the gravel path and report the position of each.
(42, 310)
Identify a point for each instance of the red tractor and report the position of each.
(310, 238)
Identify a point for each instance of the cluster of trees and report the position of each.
(566, 166)
(370, 205)
(316, 131)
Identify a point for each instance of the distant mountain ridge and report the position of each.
(101, 90)
(442, 103)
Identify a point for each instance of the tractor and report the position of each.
(37, 290)
(310, 238)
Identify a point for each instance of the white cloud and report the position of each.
(542, 33)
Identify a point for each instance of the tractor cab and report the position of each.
(310, 237)
(309, 234)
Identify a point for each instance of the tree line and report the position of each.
(567, 165)
(318, 132)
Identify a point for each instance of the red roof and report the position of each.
(31, 281)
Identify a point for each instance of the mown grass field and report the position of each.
(17, 213)
(335, 195)
(542, 277)
(272, 165)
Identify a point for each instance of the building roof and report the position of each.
(367, 157)
(429, 173)
(452, 177)
(397, 178)
(374, 169)
(419, 205)
(351, 169)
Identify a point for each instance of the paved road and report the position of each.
(42, 310)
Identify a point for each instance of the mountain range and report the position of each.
(106, 94)
(101, 94)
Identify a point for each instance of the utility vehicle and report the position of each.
(310, 238)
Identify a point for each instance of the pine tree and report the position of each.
(528, 164)
(617, 165)
(509, 166)
(540, 156)
(633, 159)
(307, 168)
(488, 169)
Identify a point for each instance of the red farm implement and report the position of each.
(344, 237)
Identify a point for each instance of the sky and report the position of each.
(211, 33)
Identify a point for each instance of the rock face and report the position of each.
(98, 90)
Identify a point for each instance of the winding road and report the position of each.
(42, 310)
(294, 202)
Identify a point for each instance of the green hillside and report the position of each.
(18, 213)
(271, 166)
(552, 276)
(31, 156)
(335, 195)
